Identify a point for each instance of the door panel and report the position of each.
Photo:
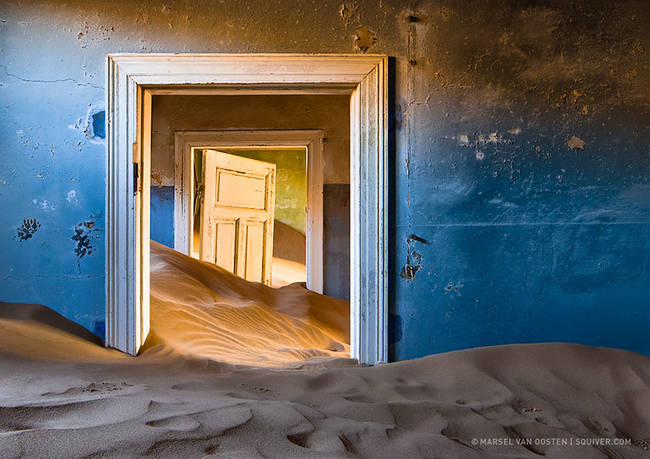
(237, 216)
(226, 244)
(241, 190)
(255, 251)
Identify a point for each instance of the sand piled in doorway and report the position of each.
(63, 395)
(202, 310)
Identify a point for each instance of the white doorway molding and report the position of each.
(132, 79)
(185, 142)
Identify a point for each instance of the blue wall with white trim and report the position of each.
(520, 167)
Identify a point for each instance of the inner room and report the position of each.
(258, 185)
(288, 233)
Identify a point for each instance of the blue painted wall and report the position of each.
(505, 226)
(161, 216)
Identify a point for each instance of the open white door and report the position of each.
(236, 229)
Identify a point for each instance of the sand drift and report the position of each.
(190, 393)
(202, 310)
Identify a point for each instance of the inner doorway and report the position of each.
(302, 157)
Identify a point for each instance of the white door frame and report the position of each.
(185, 142)
(131, 80)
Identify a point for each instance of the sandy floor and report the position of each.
(62, 395)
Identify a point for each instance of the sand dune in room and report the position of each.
(202, 310)
(62, 395)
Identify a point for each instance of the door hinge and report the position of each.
(136, 168)
(136, 178)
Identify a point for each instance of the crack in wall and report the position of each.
(62, 80)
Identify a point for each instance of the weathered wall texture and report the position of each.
(520, 194)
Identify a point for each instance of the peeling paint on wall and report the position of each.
(364, 39)
(414, 262)
(28, 228)
(575, 142)
(156, 179)
(93, 124)
(414, 259)
(83, 237)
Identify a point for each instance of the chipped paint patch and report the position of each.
(156, 179)
(575, 142)
(71, 197)
(83, 235)
(414, 259)
(453, 288)
(93, 125)
(28, 228)
(482, 140)
(44, 204)
(364, 39)
(414, 263)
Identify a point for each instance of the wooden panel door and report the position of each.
(236, 230)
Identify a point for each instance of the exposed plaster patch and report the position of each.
(575, 142)
(481, 140)
(414, 263)
(157, 179)
(44, 204)
(71, 197)
(93, 124)
(414, 259)
(364, 39)
(28, 228)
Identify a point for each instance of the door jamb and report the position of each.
(131, 79)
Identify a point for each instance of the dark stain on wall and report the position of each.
(28, 228)
(83, 237)
(395, 327)
(412, 266)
